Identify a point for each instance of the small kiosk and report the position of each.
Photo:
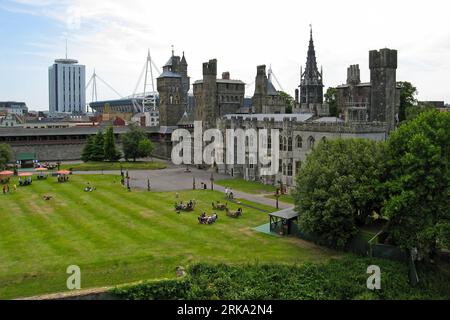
(284, 222)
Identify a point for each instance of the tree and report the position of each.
(413, 111)
(98, 152)
(407, 98)
(5, 155)
(86, 154)
(418, 163)
(145, 148)
(110, 151)
(288, 99)
(131, 143)
(331, 100)
(339, 187)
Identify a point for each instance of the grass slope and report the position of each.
(117, 236)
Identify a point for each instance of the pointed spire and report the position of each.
(183, 59)
(173, 52)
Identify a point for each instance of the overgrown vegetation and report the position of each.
(338, 279)
(406, 180)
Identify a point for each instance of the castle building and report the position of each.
(374, 101)
(266, 98)
(173, 86)
(214, 98)
(369, 112)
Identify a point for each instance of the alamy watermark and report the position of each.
(374, 280)
(74, 280)
(237, 147)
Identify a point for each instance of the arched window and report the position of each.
(299, 142)
(289, 144)
(311, 142)
(289, 169)
(281, 143)
(285, 143)
(171, 99)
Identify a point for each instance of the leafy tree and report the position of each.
(145, 148)
(5, 155)
(407, 98)
(418, 183)
(339, 187)
(86, 154)
(131, 143)
(331, 100)
(288, 99)
(110, 151)
(98, 152)
(413, 111)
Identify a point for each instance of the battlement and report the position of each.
(210, 68)
(261, 70)
(384, 58)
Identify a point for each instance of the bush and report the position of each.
(341, 279)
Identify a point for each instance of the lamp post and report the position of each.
(193, 183)
(149, 188)
(277, 195)
(212, 180)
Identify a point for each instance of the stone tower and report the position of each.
(260, 89)
(353, 75)
(206, 103)
(171, 86)
(383, 68)
(183, 71)
(311, 85)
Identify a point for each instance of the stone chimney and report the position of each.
(226, 75)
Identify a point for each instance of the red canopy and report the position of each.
(63, 172)
(6, 173)
(41, 169)
(25, 174)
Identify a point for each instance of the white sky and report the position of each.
(113, 36)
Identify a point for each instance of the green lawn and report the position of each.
(283, 198)
(97, 166)
(117, 236)
(247, 186)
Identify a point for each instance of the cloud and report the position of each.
(113, 36)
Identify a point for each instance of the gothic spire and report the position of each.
(311, 71)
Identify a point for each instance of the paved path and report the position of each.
(175, 178)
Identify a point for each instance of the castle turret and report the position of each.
(383, 78)
(260, 89)
(205, 94)
(172, 89)
(353, 75)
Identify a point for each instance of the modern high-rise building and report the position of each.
(66, 83)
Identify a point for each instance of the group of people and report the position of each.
(205, 219)
(89, 188)
(63, 178)
(25, 182)
(181, 206)
(229, 193)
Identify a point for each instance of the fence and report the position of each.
(360, 245)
